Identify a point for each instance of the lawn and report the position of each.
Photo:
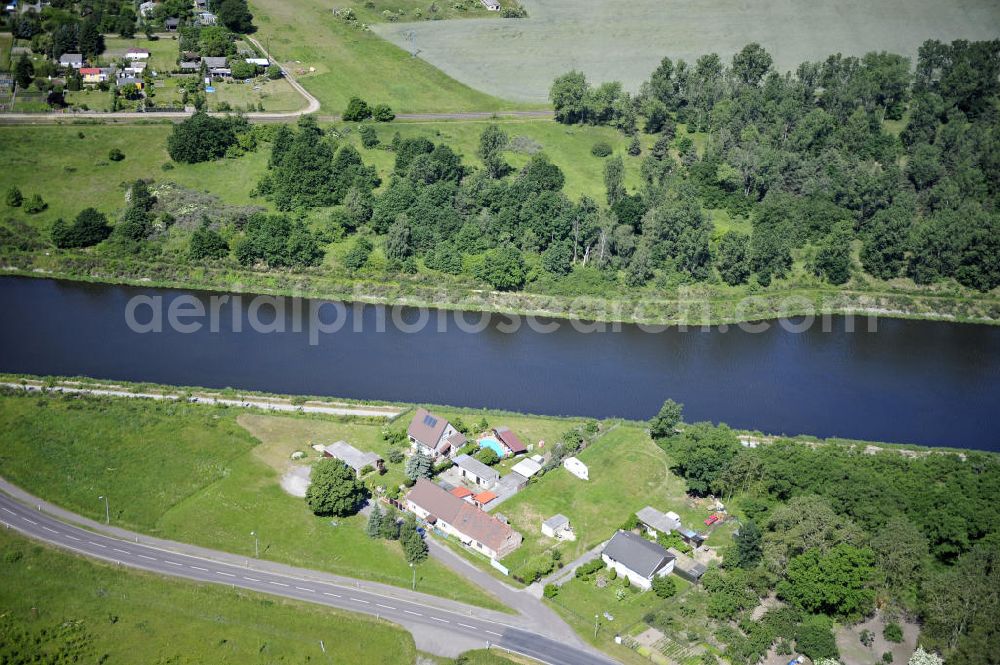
(518, 59)
(6, 42)
(163, 52)
(276, 96)
(627, 471)
(191, 473)
(335, 61)
(62, 608)
(77, 173)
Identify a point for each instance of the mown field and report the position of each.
(59, 608)
(336, 60)
(190, 473)
(518, 59)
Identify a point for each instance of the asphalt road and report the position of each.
(41, 526)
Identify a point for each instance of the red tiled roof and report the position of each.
(461, 492)
(90, 70)
(510, 440)
(484, 497)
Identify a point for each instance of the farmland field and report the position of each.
(517, 59)
(336, 60)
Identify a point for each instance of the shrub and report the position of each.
(589, 568)
(395, 456)
(357, 110)
(664, 586)
(89, 228)
(14, 197)
(551, 590)
(116, 155)
(613, 574)
(601, 149)
(488, 456)
(35, 204)
(369, 138)
(626, 583)
(887, 657)
(893, 632)
(382, 113)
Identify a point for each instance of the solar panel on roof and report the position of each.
(430, 420)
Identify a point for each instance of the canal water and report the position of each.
(930, 383)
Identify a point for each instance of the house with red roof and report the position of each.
(511, 444)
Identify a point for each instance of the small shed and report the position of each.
(577, 468)
(354, 458)
(171, 24)
(491, 5)
(527, 467)
(558, 527)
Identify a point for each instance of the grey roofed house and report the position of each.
(206, 18)
(171, 23)
(213, 62)
(71, 60)
(190, 65)
(352, 457)
(637, 554)
(657, 521)
(483, 474)
(491, 5)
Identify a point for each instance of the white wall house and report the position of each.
(638, 559)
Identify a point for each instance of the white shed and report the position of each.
(577, 468)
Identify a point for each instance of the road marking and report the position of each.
(416, 614)
(50, 530)
(147, 557)
(358, 600)
(122, 551)
(302, 588)
(278, 583)
(219, 572)
(441, 620)
(250, 579)
(72, 537)
(8, 510)
(465, 625)
(492, 633)
(388, 607)
(98, 544)
(326, 593)
(204, 570)
(29, 521)
(173, 563)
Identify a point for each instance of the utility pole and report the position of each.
(256, 545)
(414, 585)
(107, 509)
(595, 625)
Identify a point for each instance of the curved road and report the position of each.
(415, 616)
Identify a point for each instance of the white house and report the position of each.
(433, 436)
(637, 558)
(74, 60)
(558, 527)
(491, 5)
(137, 54)
(456, 517)
(472, 469)
(577, 468)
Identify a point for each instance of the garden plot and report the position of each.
(518, 59)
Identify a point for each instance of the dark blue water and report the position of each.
(911, 381)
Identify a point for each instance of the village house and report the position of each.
(511, 444)
(492, 5)
(171, 24)
(94, 75)
(475, 471)
(456, 517)
(206, 18)
(433, 436)
(137, 54)
(74, 60)
(354, 458)
(637, 558)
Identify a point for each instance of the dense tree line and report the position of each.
(808, 156)
(73, 27)
(834, 529)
